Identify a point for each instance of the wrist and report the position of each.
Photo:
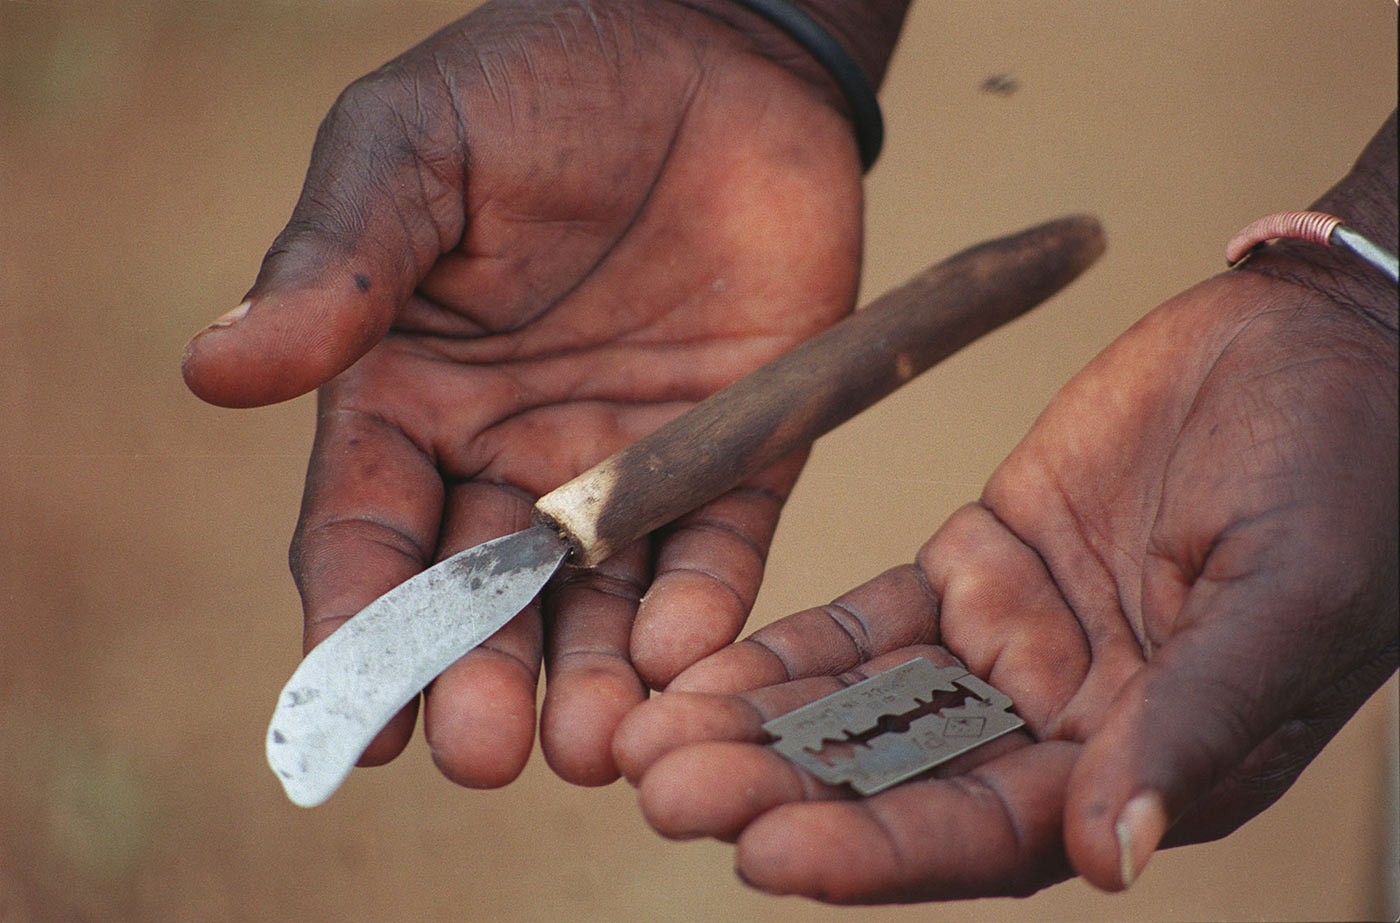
(867, 29)
(1365, 200)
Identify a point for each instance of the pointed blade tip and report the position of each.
(539, 549)
(301, 788)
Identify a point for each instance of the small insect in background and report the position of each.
(1000, 84)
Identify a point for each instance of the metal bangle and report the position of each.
(1316, 227)
(849, 78)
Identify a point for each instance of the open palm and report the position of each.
(1184, 577)
(520, 246)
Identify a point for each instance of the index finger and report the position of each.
(892, 611)
(976, 589)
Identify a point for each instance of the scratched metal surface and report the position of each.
(347, 689)
(890, 727)
(149, 152)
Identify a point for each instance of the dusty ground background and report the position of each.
(148, 153)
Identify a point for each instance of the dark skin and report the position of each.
(532, 239)
(520, 246)
(1184, 576)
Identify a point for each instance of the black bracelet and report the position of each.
(854, 85)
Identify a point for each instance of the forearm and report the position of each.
(1366, 197)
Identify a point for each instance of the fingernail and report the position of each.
(234, 316)
(1139, 829)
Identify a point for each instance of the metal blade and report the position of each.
(886, 729)
(352, 683)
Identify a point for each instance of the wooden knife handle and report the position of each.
(805, 393)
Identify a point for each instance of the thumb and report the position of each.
(1224, 716)
(362, 235)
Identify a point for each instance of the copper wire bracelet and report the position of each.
(1315, 227)
(849, 78)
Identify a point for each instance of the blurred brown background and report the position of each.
(150, 150)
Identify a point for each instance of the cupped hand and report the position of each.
(1184, 577)
(520, 246)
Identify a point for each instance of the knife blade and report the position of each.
(333, 705)
(349, 686)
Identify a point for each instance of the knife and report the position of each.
(348, 687)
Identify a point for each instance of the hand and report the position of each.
(520, 246)
(1184, 577)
